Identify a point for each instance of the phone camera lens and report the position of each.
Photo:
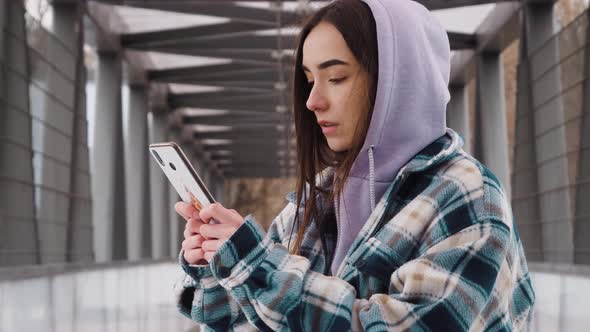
(172, 166)
(158, 157)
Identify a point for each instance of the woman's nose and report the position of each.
(316, 102)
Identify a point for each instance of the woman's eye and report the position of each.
(337, 80)
(332, 80)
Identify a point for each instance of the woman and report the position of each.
(393, 226)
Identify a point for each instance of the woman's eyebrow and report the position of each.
(327, 64)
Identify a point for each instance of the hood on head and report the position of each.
(409, 110)
(412, 89)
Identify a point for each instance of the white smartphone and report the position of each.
(181, 174)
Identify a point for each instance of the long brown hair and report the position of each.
(354, 20)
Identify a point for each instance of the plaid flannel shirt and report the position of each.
(440, 252)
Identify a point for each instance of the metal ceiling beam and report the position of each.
(265, 143)
(257, 163)
(278, 175)
(262, 56)
(498, 30)
(251, 102)
(460, 41)
(154, 38)
(271, 147)
(271, 154)
(253, 75)
(244, 162)
(248, 42)
(231, 174)
(447, 4)
(268, 134)
(268, 75)
(223, 120)
(241, 42)
(224, 73)
(247, 155)
(243, 85)
(213, 8)
(236, 115)
(181, 6)
(229, 121)
(252, 154)
(258, 171)
(252, 169)
(268, 162)
(247, 129)
(216, 96)
(181, 73)
(104, 20)
(264, 140)
(199, 112)
(251, 107)
(224, 100)
(252, 166)
(239, 144)
(245, 167)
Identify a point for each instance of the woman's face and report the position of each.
(339, 85)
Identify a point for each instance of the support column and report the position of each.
(137, 175)
(200, 166)
(206, 172)
(109, 164)
(68, 28)
(221, 189)
(525, 204)
(212, 185)
(19, 238)
(57, 93)
(582, 213)
(492, 133)
(217, 187)
(4, 9)
(458, 115)
(552, 162)
(199, 161)
(159, 192)
(197, 164)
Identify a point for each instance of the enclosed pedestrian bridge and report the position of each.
(88, 234)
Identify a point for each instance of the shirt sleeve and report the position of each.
(454, 284)
(200, 297)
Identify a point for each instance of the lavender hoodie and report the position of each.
(409, 112)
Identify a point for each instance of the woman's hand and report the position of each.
(193, 240)
(216, 233)
(202, 238)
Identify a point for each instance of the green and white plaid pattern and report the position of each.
(439, 253)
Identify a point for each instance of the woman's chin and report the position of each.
(337, 146)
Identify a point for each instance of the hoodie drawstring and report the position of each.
(372, 177)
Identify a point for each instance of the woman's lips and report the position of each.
(328, 128)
